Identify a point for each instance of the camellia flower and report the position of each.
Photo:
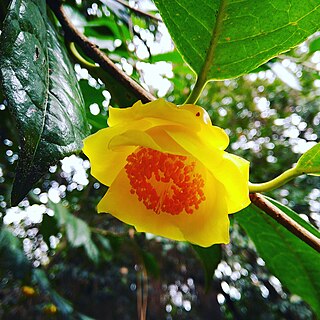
(168, 173)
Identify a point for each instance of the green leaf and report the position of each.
(3, 9)
(42, 91)
(310, 161)
(290, 259)
(93, 95)
(105, 250)
(120, 94)
(92, 251)
(12, 257)
(293, 215)
(77, 230)
(314, 45)
(48, 227)
(210, 258)
(237, 36)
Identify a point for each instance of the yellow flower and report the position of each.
(50, 308)
(28, 291)
(168, 173)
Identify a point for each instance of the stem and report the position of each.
(142, 292)
(139, 12)
(203, 75)
(291, 225)
(274, 183)
(139, 295)
(197, 89)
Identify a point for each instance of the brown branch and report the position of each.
(291, 225)
(93, 52)
(138, 11)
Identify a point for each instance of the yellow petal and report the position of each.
(205, 226)
(234, 175)
(154, 138)
(108, 148)
(105, 163)
(210, 157)
(126, 207)
(160, 112)
(158, 109)
(200, 113)
(210, 223)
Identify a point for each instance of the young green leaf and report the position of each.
(286, 256)
(230, 38)
(310, 161)
(42, 92)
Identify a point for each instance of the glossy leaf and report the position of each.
(42, 92)
(310, 161)
(290, 259)
(210, 258)
(241, 34)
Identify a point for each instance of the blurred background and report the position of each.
(60, 259)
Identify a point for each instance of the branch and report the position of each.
(138, 11)
(291, 225)
(93, 52)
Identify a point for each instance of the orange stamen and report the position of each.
(165, 182)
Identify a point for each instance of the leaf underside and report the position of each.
(242, 34)
(42, 93)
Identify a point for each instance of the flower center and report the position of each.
(165, 182)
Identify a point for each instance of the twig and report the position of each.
(275, 183)
(138, 11)
(92, 51)
(142, 292)
(291, 225)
